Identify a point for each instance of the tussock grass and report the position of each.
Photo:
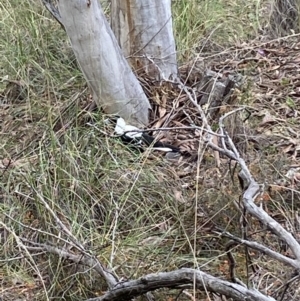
(128, 209)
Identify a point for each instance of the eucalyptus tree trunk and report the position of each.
(115, 88)
(144, 31)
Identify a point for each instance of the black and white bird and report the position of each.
(133, 135)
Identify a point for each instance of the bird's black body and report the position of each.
(134, 136)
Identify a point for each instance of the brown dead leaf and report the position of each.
(163, 106)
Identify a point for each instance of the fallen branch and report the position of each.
(251, 192)
(180, 279)
(252, 188)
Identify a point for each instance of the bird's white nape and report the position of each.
(120, 126)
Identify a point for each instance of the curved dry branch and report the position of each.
(183, 278)
(248, 197)
(251, 192)
(263, 249)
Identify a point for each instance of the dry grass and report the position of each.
(284, 17)
(133, 211)
(213, 25)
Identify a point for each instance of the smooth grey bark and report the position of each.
(144, 31)
(115, 88)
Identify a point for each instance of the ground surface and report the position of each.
(142, 213)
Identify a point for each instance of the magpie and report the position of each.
(134, 136)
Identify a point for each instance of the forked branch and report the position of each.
(252, 188)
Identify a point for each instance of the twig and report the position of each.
(259, 247)
(28, 255)
(114, 231)
(59, 222)
(36, 230)
(100, 131)
(287, 284)
(84, 259)
(232, 263)
(192, 127)
(88, 259)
